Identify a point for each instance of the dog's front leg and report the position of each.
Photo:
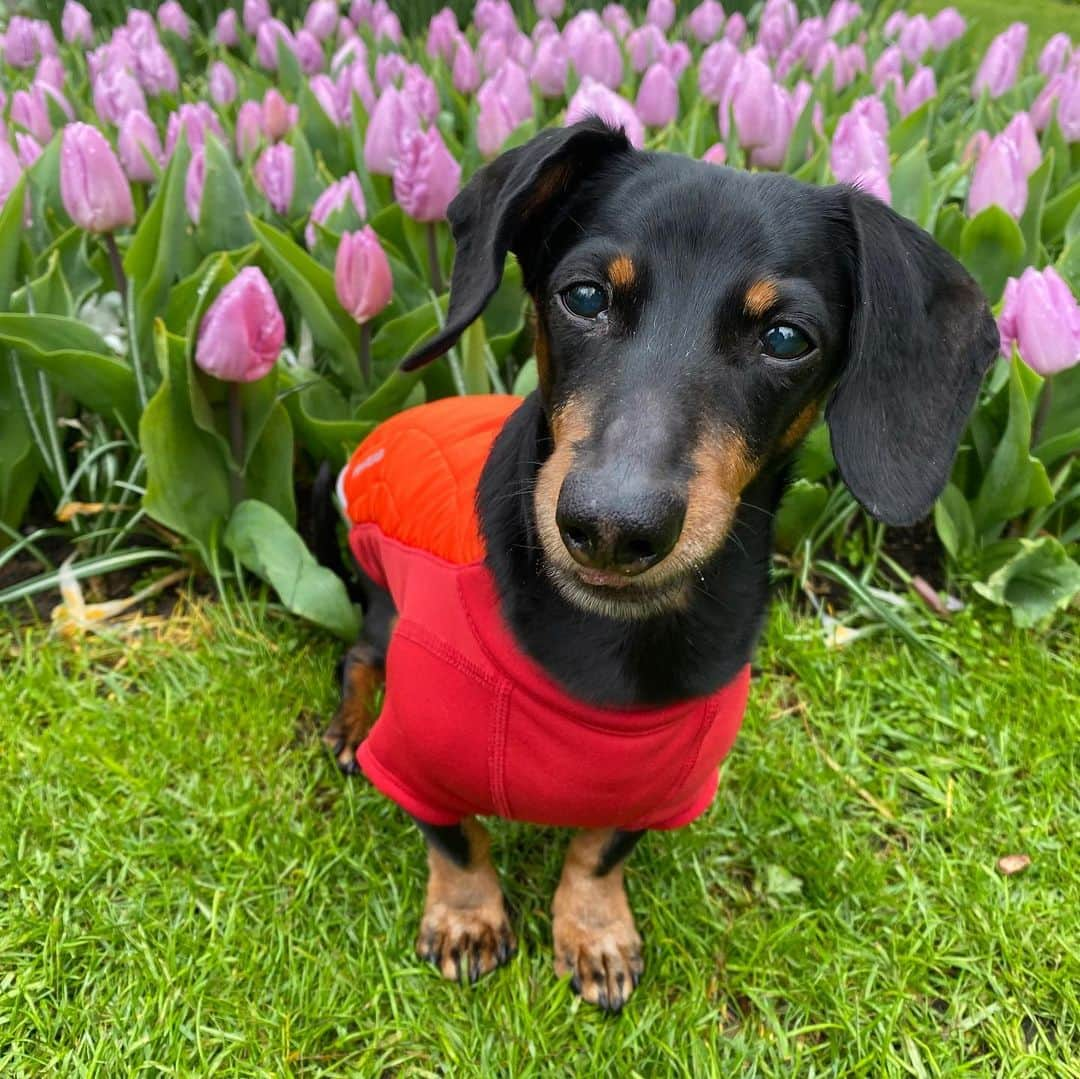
(596, 942)
(464, 929)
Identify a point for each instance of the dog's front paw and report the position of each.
(601, 955)
(465, 942)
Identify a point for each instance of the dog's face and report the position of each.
(690, 322)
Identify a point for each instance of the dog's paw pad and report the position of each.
(465, 944)
(604, 962)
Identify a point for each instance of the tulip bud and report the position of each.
(513, 84)
(28, 110)
(598, 57)
(156, 71)
(325, 93)
(194, 183)
(309, 52)
(841, 14)
(1040, 314)
(20, 42)
(76, 24)
(362, 277)
(256, 12)
(275, 175)
(27, 148)
(226, 31)
(388, 28)
(1022, 132)
(658, 97)
(998, 179)
(915, 38)
(920, 89)
(660, 13)
(394, 117)
(715, 154)
(550, 9)
(341, 196)
(859, 153)
(1055, 55)
(10, 171)
(617, 19)
(138, 139)
(888, 66)
(946, 27)
(706, 21)
(645, 46)
(718, 63)
(241, 335)
(1001, 64)
(735, 28)
(442, 35)
(222, 84)
(116, 93)
(278, 116)
(267, 37)
(427, 176)
(466, 72)
(50, 72)
(93, 187)
(594, 99)
(421, 91)
(171, 17)
(194, 120)
(676, 58)
(321, 19)
(549, 67)
(249, 132)
(494, 123)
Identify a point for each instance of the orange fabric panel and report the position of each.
(415, 476)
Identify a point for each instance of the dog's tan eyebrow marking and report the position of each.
(760, 296)
(799, 426)
(621, 272)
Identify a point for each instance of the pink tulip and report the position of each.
(735, 27)
(521, 50)
(544, 28)
(278, 116)
(27, 149)
(394, 117)
(466, 72)
(267, 38)
(194, 120)
(360, 12)
(598, 57)
(1055, 55)
(10, 171)
(76, 24)
(894, 25)
(715, 154)
(841, 15)
(581, 27)
(889, 66)
(29, 110)
(550, 9)
(550, 66)
(138, 138)
(421, 91)
(660, 13)
(388, 28)
(93, 187)
(773, 33)
(617, 19)
(677, 58)
(351, 51)
(1001, 64)
(325, 93)
(594, 99)
(706, 21)
(427, 176)
(140, 29)
(808, 40)
(1040, 314)
(718, 63)
(256, 12)
(1022, 132)
(492, 51)
(249, 132)
(275, 175)
(321, 19)
(171, 17)
(494, 121)
(222, 84)
(645, 46)
(309, 52)
(998, 179)
(116, 93)
(915, 38)
(859, 154)
(337, 197)
(920, 89)
(1068, 105)
(46, 39)
(513, 85)
(975, 148)
(194, 183)
(362, 277)
(443, 31)
(947, 26)
(156, 71)
(389, 69)
(872, 110)
(242, 333)
(494, 15)
(354, 80)
(658, 97)
(226, 31)
(20, 42)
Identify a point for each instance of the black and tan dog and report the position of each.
(691, 321)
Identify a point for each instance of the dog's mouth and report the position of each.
(615, 595)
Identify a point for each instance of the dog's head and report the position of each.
(690, 322)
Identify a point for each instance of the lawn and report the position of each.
(190, 887)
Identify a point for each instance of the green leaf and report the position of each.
(11, 234)
(77, 359)
(270, 548)
(397, 338)
(912, 130)
(801, 135)
(815, 460)
(395, 392)
(1015, 481)
(1031, 223)
(1036, 582)
(504, 315)
(949, 227)
(954, 523)
(19, 464)
(269, 473)
(312, 287)
(799, 512)
(322, 133)
(1060, 211)
(527, 378)
(320, 416)
(992, 247)
(306, 186)
(223, 222)
(910, 185)
(49, 292)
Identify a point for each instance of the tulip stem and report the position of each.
(365, 352)
(117, 264)
(433, 258)
(1042, 411)
(236, 440)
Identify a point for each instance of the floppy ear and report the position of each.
(920, 340)
(499, 211)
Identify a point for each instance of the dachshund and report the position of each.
(564, 591)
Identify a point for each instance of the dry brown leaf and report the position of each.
(1013, 863)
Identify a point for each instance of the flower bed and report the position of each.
(215, 250)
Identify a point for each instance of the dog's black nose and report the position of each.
(623, 527)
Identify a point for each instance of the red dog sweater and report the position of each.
(470, 724)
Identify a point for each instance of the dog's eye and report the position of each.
(585, 300)
(785, 342)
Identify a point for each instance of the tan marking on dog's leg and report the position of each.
(760, 296)
(596, 941)
(356, 713)
(621, 272)
(464, 930)
(799, 427)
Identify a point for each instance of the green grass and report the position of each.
(190, 887)
(989, 17)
